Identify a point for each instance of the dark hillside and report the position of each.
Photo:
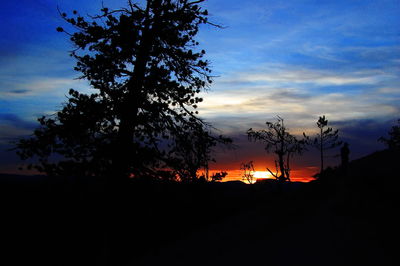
(370, 180)
(79, 221)
(340, 219)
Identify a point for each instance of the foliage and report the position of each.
(147, 71)
(393, 142)
(248, 172)
(83, 140)
(279, 141)
(326, 139)
(191, 151)
(218, 176)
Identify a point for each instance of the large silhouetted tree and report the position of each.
(279, 141)
(326, 139)
(143, 63)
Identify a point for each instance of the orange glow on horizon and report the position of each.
(262, 174)
(299, 175)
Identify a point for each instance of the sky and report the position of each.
(298, 59)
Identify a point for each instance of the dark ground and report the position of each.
(341, 219)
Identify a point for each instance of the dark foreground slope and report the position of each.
(345, 218)
(341, 219)
(76, 221)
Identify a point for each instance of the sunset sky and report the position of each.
(297, 59)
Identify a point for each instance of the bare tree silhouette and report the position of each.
(326, 139)
(279, 141)
(248, 172)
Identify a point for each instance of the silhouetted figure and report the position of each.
(344, 154)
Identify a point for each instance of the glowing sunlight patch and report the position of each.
(262, 174)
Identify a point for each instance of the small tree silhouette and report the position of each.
(393, 142)
(248, 172)
(282, 143)
(326, 139)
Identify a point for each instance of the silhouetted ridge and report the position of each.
(376, 168)
(378, 164)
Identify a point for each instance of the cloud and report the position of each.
(363, 134)
(300, 94)
(21, 91)
(291, 74)
(54, 86)
(36, 71)
(300, 112)
(13, 127)
(15, 120)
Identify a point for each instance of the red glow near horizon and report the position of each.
(298, 175)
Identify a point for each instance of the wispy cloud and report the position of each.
(301, 94)
(41, 86)
(316, 77)
(36, 71)
(12, 126)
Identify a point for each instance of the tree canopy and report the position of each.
(146, 68)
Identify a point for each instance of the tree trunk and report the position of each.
(288, 167)
(322, 152)
(282, 177)
(125, 155)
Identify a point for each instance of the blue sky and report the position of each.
(298, 59)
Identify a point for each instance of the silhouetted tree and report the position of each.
(147, 72)
(326, 139)
(248, 172)
(393, 142)
(218, 176)
(279, 141)
(191, 150)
